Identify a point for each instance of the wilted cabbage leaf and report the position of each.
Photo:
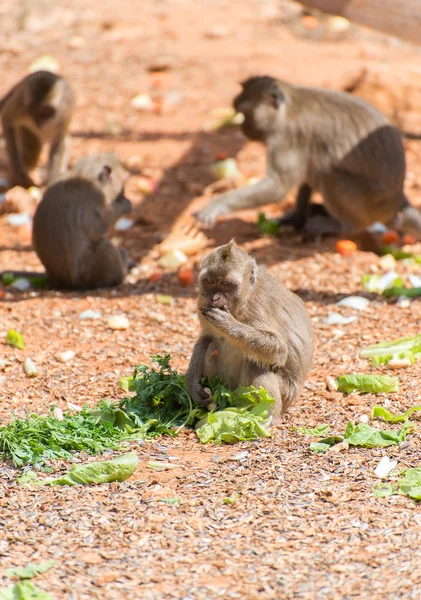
(326, 443)
(117, 469)
(315, 431)
(24, 590)
(31, 570)
(382, 353)
(366, 436)
(409, 485)
(383, 413)
(367, 383)
(230, 426)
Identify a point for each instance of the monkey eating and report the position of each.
(325, 141)
(254, 331)
(35, 110)
(71, 221)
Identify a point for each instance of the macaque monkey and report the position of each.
(36, 109)
(326, 141)
(253, 330)
(71, 221)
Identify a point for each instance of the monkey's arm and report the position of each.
(263, 346)
(58, 157)
(270, 189)
(195, 371)
(18, 176)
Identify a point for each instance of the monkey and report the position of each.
(254, 331)
(71, 221)
(37, 109)
(325, 141)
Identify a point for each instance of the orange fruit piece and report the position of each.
(185, 277)
(222, 155)
(346, 247)
(157, 276)
(409, 239)
(390, 237)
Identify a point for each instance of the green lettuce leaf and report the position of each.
(14, 338)
(396, 291)
(383, 489)
(315, 431)
(394, 347)
(31, 570)
(267, 226)
(409, 485)
(367, 383)
(24, 590)
(326, 443)
(399, 254)
(382, 413)
(230, 426)
(117, 469)
(365, 436)
(378, 283)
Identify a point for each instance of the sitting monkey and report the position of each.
(71, 222)
(253, 330)
(326, 141)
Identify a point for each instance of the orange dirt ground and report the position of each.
(305, 526)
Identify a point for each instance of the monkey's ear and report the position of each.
(104, 175)
(276, 97)
(253, 272)
(229, 248)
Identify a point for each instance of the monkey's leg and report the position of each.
(18, 174)
(58, 156)
(197, 370)
(297, 216)
(30, 147)
(320, 225)
(101, 266)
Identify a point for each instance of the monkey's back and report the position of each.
(284, 312)
(64, 227)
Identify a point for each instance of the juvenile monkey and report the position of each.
(36, 109)
(326, 141)
(71, 221)
(253, 330)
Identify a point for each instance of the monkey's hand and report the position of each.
(208, 215)
(218, 317)
(199, 395)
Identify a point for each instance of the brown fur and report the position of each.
(253, 330)
(326, 141)
(71, 221)
(37, 109)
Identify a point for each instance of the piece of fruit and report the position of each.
(346, 247)
(185, 277)
(157, 276)
(409, 239)
(390, 237)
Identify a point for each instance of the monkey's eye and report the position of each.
(225, 283)
(209, 281)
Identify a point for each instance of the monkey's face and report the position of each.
(218, 291)
(259, 102)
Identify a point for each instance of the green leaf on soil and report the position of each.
(116, 469)
(315, 431)
(362, 382)
(31, 570)
(380, 412)
(14, 338)
(24, 590)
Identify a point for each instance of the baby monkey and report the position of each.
(253, 330)
(71, 222)
(36, 109)
(326, 141)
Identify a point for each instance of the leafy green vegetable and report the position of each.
(244, 416)
(160, 465)
(326, 443)
(31, 570)
(38, 281)
(367, 383)
(37, 438)
(365, 436)
(267, 226)
(14, 338)
(396, 291)
(231, 499)
(24, 590)
(125, 383)
(169, 501)
(405, 347)
(383, 413)
(116, 469)
(8, 278)
(399, 254)
(378, 283)
(315, 431)
(409, 485)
